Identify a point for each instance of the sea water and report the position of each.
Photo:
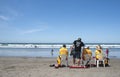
(45, 49)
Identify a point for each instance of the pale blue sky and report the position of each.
(54, 21)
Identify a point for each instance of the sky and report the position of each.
(59, 21)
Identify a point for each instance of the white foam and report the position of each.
(52, 46)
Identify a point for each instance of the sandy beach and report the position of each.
(39, 67)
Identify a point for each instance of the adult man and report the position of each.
(78, 44)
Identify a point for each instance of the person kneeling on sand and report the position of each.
(63, 52)
(62, 59)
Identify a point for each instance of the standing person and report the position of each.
(107, 52)
(64, 55)
(107, 57)
(52, 52)
(78, 44)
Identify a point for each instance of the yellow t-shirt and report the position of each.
(63, 51)
(98, 54)
(86, 52)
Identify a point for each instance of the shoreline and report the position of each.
(111, 57)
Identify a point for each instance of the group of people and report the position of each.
(79, 53)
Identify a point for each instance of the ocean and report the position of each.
(45, 49)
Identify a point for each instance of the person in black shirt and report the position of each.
(78, 44)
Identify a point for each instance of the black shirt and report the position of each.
(78, 44)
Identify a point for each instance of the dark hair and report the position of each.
(64, 45)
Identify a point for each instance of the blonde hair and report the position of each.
(98, 47)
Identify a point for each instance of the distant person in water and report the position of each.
(35, 46)
(52, 52)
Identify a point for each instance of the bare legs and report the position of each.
(78, 61)
(73, 61)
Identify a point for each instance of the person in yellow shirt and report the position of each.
(86, 55)
(63, 52)
(98, 52)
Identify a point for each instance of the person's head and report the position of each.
(98, 47)
(88, 47)
(79, 39)
(64, 45)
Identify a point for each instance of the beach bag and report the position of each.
(72, 52)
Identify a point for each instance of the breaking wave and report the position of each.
(54, 45)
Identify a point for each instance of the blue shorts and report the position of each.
(77, 55)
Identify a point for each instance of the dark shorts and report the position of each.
(77, 55)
